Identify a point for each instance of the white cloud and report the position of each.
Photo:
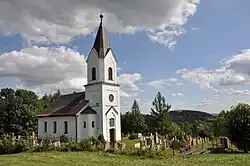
(195, 29)
(205, 103)
(45, 70)
(129, 84)
(168, 82)
(157, 84)
(177, 94)
(232, 91)
(146, 107)
(58, 21)
(233, 71)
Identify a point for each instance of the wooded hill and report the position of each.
(189, 116)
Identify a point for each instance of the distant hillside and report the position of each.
(189, 116)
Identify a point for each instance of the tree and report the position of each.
(126, 126)
(238, 125)
(133, 121)
(137, 120)
(18, 110)
(219, 124)
(160, 113)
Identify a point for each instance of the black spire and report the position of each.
(101, 44)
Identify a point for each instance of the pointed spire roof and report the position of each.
(101, 44)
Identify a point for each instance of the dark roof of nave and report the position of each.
(65, 105)
(88, 110)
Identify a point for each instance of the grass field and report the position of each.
(104, 159)
(92, 158)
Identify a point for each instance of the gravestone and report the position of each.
(142, 143)
(137, 145)
(106, 146)
(156, 138)
(158, 147)
(225, 142)
(194, 142)
(150, 143)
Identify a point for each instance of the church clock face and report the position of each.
(111, 98)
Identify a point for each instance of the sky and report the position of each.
(195, 52)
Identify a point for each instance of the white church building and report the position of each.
(93, 112)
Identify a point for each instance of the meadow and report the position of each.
(102, 159)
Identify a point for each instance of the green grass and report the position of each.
(130, 143)
(94, 158)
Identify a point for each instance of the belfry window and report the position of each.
(110, 73)
(93, 73)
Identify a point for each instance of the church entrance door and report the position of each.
(112, 135)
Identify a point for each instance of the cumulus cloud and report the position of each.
(233, 71)
(233, 91)
(163, 82)
(177, 94)
(45, 70)
(129, 84)
(205, 102)
(157, 84)
(58, 21)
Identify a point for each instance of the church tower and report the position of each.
(102, 89)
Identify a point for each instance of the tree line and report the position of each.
(160, 120)
(18, 110)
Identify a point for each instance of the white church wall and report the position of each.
(93, 61)
(110, 62)
(93, 94)
(60, 127)
(89, 130)
(108, 89)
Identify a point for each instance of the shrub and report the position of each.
(21, 145)
(176, 145)
(64, 139)
(73, 146)
(63, 148)
(233, 149)
(85, 144)
(101, 138)
(45, 145)
(8, 145)
(133, 136)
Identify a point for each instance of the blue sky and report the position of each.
(206, 69)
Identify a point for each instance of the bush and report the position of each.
(176, 145)
(21, 145)
(233, 149)
(64, 139)
(6, 145)
(73, 146)
(9, 146)
(45, 145)
(101, 138)
(85, 144)
(133, 136)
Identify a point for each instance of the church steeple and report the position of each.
(101, 44)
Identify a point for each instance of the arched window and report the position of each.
(111, 122)
(93, 73)
(110, 73)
